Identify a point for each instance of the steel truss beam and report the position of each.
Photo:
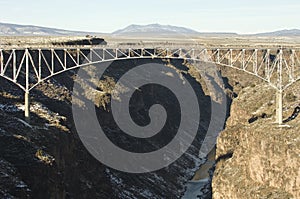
(280, 68)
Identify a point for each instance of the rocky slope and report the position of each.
(255, 157)
(46, 159)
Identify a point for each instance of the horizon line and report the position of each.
(155, 23)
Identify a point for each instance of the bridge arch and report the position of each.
(279, 70)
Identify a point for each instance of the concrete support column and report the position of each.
(280, 91)
(27, 97)
(27, 107)
(279, 107)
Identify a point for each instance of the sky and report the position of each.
(240, 16)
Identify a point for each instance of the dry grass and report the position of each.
(207, 41)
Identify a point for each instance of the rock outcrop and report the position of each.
(255, 157)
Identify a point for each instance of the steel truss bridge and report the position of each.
(27, 67)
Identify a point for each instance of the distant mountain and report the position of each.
(290, 32)
(29, 30)
(163, 30)
(132, 30)
(154, 29)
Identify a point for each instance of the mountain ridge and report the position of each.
(9, 29)
(284, 32)
(154, 29)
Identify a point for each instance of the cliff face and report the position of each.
(255, 157)
(46, 159)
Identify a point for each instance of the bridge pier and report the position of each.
(27, 97)
(279, 107)
(27, 107)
